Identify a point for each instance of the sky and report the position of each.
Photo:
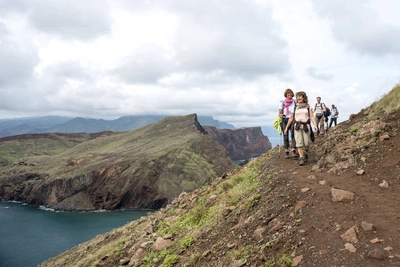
(230, 59)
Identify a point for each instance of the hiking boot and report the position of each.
(295, 155)
(305, 157)
(301, 161)
(287, 155)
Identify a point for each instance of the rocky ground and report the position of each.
(339, 210)
(360, 224)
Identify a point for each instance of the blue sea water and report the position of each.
(29, 235)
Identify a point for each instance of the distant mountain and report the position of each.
(59, 124)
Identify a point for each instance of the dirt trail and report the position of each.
(324, 221)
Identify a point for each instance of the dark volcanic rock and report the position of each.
(241, 143)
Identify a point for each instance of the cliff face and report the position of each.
(144, 168)
(241, 143)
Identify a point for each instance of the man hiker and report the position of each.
(334, 115)
(319, 110)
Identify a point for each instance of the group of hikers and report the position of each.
(295, 115)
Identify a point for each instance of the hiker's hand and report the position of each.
(316, 128)
(285, 132)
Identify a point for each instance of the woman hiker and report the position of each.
(301, 116)
(285, 108)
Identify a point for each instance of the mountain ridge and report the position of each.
(46, 124)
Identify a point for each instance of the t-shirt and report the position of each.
(319, 108)
(334, 112)
(285, 111)
(301, 114)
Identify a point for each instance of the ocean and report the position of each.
(30, 235)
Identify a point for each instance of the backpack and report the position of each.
(327, 112)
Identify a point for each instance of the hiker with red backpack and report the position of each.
(284, 111)
(319, 111)
(301, 117)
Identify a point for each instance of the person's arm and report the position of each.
(280, 113)
(289, 123)
(314, 121)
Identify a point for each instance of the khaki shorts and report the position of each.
(299, 136)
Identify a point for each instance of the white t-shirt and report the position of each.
(334, 112)
(287, 111)
(319, 108)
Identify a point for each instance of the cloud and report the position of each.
(147, 64)
(77, 20)
(313, 72)
(218, 37)
(357, 25)
(227, 59)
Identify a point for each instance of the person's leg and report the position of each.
(285, 138)
(293, 144)
(330, 123)
(300, 143)
(335, 120)
(321, 125)
(306, 144)
(317, 120)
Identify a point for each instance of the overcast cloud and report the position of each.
(230, 59)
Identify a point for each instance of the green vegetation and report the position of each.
(242, 253)
(266, 245)
(187, 242)
(243, 184)
(353, 130)
(387, 104)
(284, 260)
(168, 259)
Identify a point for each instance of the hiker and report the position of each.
(301, 116)
(334, 115)
(284, 111)
(319, 110)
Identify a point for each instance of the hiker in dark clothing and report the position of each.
(334, 115)
(301, 116)
(284, 111)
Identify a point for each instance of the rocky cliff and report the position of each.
(241, 143)
(144, 168)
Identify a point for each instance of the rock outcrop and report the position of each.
(241, 143)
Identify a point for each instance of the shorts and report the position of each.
(300, 136)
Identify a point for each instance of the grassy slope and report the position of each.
(51, 153)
